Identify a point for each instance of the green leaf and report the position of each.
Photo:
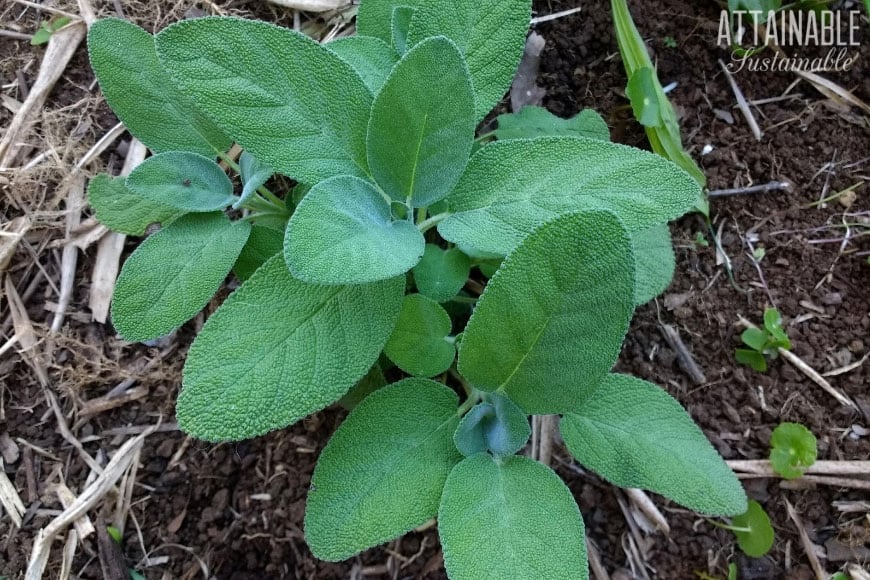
(143, 96)
(641, 91)
(41, 36)
(510, 518)
(367, 385)
(420, 137)
(419, 344)
(123, 210)
(756, 539)
(533, 122)
(551, 322)
(253, 174)
(262, 244)
(382, 473)
(370, 57)
(401, 24)
(491, 34)
(343, 233)
(375, 17)
(754, 338)
(441, 274)
(497, 426)
(185, 181)
(655, 262)
(633, 434)
(174, 273)
(792, 449)
(279, 349)
(305, 115)
(772, 320)
(751, 358)
(511, 187)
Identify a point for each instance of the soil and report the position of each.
(234, 511)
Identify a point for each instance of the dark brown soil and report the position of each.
(235, 510)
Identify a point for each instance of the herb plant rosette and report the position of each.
(396, 203)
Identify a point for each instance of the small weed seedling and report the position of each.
(792, 450)
(764, 342)
(752, 529)
(47, 28)
(369, 254)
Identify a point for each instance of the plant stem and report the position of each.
(431, 222)
(270, 197)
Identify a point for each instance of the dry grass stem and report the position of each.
(555, 15)
(595, 565)
(643, 502)
(69, 552)
(763, 468)
(808, 546)
(70, 256)
(12, 233)
(25, 333)
(83, 525)
(312, 5)
(9, 498)
(741, 103)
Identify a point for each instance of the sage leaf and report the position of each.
(305, 346)
(343, 233)
(533, 122)
(496, 426)
(511, 187)
(633, 434)
(519, 514)
(655, 262)
(370, 57)
(305, 115)
(382, 473)
(419, 344)
(375, 17)
(174, 273)
(124, 211)
(419, 139)
(184, 181)
(400, 27)
(262, 244)
(441, 274)
(561, 300)
(253, 174)
(142, 94)
(490, 34)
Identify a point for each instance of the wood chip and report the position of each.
(83, 525)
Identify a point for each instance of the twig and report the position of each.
(70, 256)
(69, 553)
(67, 434)
(847, 368)
(763, 188)
(763, 468)
(649, 509)
(809, 548)
(684, 356)
(556, 15)
(83, 525)
(741, 103)
(598, 570)
(9, 498)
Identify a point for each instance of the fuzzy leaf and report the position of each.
(633, 434)
(305, 115)
(400, 27)
(383, 471)
(441, 274)
(561, 300)
(254, 368)
(511, 187)
(174, 273)
(420, 137)
(375, 17)
(496, 426)
(370, 57)
(792, 449)
(511, 518)
(343, 233)
(142, 94)
(253, 174)
(185, 181)
(490, 34)
(262, 244)
(124, 211)
(533, 122)
(756, 537)
(655, 262)
(419, 343)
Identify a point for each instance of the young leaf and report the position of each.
(242, 383)
(123, 210)
(382, 473)
(633, 434)
(262, 244)
(496, 426)
(343, 233)
(754, 338)
(562, 300)
(185, 181)
(655, 262)
(441, 274)
(253, 174)
(756, 536)
(375, 17)
(305, 116)
(792, 449)
(419, 343)
(510, 518)
(143, 96)
(401, 24)
(490, 34)
(641, 91)
(419, 139)
(174, 273)
(533, 122)
(753, 359)
(370, 57)
(511, 187)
